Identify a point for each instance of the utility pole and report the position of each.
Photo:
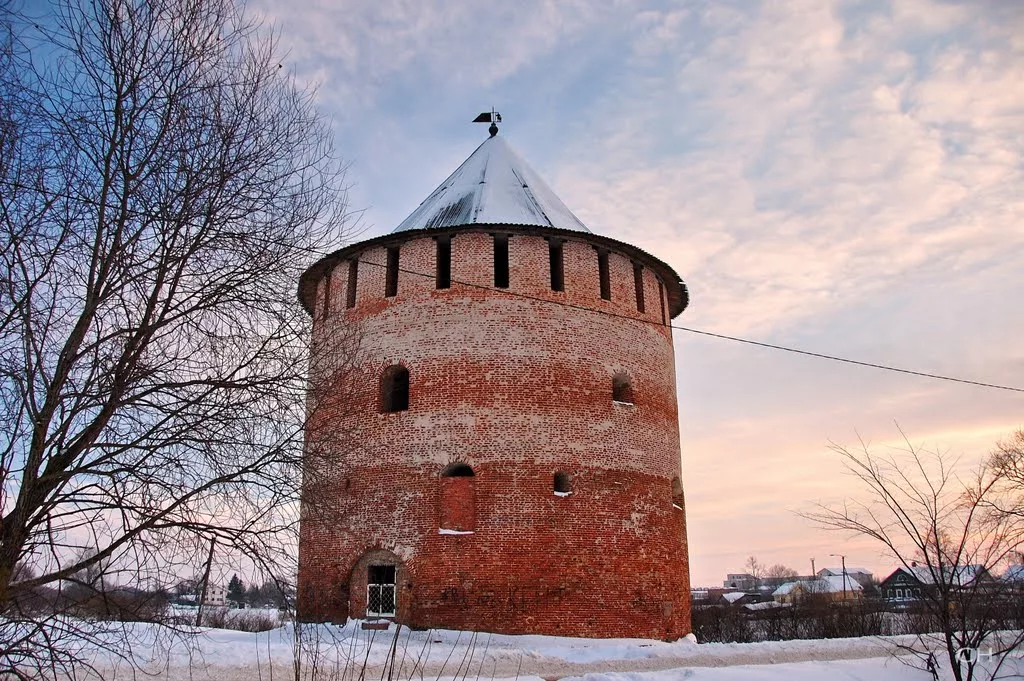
(843, 559)
(813, 573)
(206, 583)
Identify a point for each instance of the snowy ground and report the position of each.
(340, 653)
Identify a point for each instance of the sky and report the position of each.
(845, 177)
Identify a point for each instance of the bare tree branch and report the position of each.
(946, 531)
(163, 182)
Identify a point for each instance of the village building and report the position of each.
(1014, 578)
(216, 595)
(861, 575)
(499, 450)
(911, 583)
(830, 587)
(740, 580)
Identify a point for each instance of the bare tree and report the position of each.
(779, 571)
(163, 182)
(938, 527)
(755, 569)
(1007, 461)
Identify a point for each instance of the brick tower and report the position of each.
(498, 448)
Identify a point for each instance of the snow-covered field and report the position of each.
(335, 653)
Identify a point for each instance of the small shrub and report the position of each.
(116, 605)
(253, 621)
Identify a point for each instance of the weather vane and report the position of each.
(492, 117)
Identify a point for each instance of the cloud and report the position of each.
(372, 46)
(845, 177)
(831, 160)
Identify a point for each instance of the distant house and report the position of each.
(832, 587)
(714, 596)
(743, 581)
(1014, 577)
(911, 583)
(699, 595)
(740, 580)
(765, 605)
(741, 598)
(861, 575)
(216, 595)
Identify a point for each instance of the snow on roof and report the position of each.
(733, 596)
(839, 571)
(822, 585)
(765, 605)
(786, 588)
(836, 583)
(493, 186)
(1014, 573)
(961, 575)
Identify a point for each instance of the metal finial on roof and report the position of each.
(492, 117)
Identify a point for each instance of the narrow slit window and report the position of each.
(661, 299)
(557, 265)
(391, 275)
(443, 276)
(638, 284)
(562, 483)
(602, 268)
(394, 390)
(353, 275)
(622, 389)
(501, 261)
(327, 293)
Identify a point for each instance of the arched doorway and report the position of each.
(375, 589)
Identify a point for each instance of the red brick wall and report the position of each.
(518, 389)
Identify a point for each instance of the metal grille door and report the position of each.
(380, 600)
(380, 591)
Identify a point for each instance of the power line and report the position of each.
(847, 360)
(736, 339)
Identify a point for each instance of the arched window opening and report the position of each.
(677, 492)
(457, 470)
(457, 507)
(622, 389)
(372, 587)
(562, 483)
(394, 390)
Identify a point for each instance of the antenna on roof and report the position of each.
(491, 117)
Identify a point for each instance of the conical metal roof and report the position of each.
(494, 186)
